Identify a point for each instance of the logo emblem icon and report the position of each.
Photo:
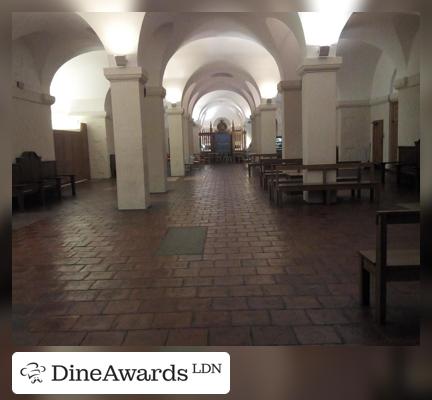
(33, 371)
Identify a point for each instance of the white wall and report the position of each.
(32, 129)
(409, 115)
(354, 133)
(98, 147)
(80, 88)
(381, 111)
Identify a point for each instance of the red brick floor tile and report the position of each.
(310, 335)
(258, 260)
(193, 304)
(230, 336)
(273, 336)
(62, 339)
(301, 302)
(213, 292)
(211, 318)
(114, 294)
(265, 303)
(154, 337)
(230, 303)
(53, 324)
(122, 307)
(159, 305)
(250, 318)
(104, 339)
(188, 337)
(133, 321)
(172, 320)
(327, 316)
(87, 307)
(181, 292)
(289, 317)
(94, 323)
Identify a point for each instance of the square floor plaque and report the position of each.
(183, 241)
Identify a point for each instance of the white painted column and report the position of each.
(127, 94)
(291, 101)
(98, 147)
(186, 138)
(409, 110)
(253, 134)
(191, 137)
(267, 128)
(426, 141)
(257, 134)
(176, 142)
(154, 130)
(196, 139)
(319, 121)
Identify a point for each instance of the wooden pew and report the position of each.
(21, 190)
(285, 174)
(49, 172)
(31, 174)
(387, 265)
(255, 160)
(268, 170)
(408, 164)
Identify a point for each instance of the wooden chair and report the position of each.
(387, 265)
(31, 174)
(49, 172)
(327, 184)
(21, 190)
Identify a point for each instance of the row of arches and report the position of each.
(213, 65)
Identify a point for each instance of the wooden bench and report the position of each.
(285, 174)
(49, 172)
(255, 160)
(268, 170)
(387, 265)
(408, 165)
(21, 190)
(33, 176)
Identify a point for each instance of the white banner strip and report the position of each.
(120, 373)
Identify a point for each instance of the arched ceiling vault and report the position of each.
(50, 40)
(221, 104)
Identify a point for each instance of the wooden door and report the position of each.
(393, 133)
(378, 141)
(72, 152)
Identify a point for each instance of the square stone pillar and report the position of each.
(319, 121)
(191, 135)
(257, 134)
(186, 138)
(176, 141)
(409, 110)
(291, 96)
(127, 94)
(267, 128)
(253, 134)
(154, 129)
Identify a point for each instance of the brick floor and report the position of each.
(87, 274)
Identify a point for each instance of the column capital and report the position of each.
(267, 107)
(288, 86)
(175, 111)
(155, 91)
(407, 82)
(126, 74)
(323, 64)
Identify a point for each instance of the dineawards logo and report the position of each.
(121, 373)
(33, 371)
